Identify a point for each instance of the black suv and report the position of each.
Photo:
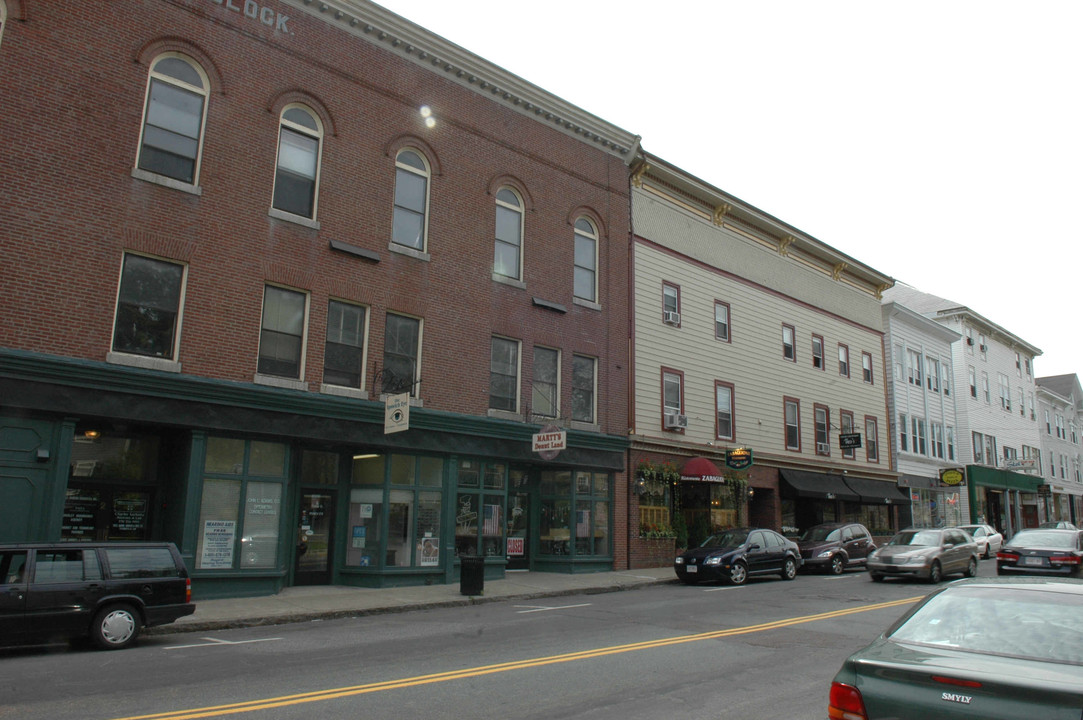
(833, 547)
(107, 591)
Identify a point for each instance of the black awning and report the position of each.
(877, 492)
(818, 485)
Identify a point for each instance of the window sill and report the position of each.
(142, 361)
(585, 426)
(165, 181)
(414, 402)
(343, 391)
(409, 252)
(295, 219)
(505, 415)
(505, 280)
(586, 303)
(280, 382)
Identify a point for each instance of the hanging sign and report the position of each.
(397, 413)
(738, 458)
(849, 441)
(952, 477)
(549, 441)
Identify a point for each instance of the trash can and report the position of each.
(472, 574)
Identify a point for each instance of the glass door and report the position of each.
(518, 520)
(315, 541)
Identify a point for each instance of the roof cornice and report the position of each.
(723, 207)
(925, 324)
(984, 323)
(376, 25)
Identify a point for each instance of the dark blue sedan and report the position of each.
(736, 555)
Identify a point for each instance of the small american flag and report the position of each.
(491, 521)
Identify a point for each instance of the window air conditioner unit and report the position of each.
(983, 348)
(823, 448)
(672, 318)
(676, 421)
(970, 341)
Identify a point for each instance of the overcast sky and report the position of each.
(937, 142)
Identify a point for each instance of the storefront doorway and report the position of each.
(315, 537)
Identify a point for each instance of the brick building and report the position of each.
(293, 284)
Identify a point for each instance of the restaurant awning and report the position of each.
(701, 469)
(876, 492)
(818, 485)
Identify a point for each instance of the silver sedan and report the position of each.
(988, 540)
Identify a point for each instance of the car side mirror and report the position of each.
(754, 546)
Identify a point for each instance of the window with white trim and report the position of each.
(672, 393)
(985, 388)
(866, 367)
(1005, 392)
(913, 367)
(585, 281)
(977, 441)
(932, 374)
(821, 418)
(949, 435)
(298, 171)
(409, 224)
(722, 320)
(504, 374)
(344, 352)
(545, 387)
(936, 436)
(788, 350)
(904, 433)
(148, 307)
(872, 440)
(402, 355)
(282, 332)
(671, 304)
(792, 409)
(171, 141)
(844, 360)
(817, 352)
(898, 362)
(723, 403)
(945, 378)
(972, 376)
(917, 435)
(508, 251)
(584, 388)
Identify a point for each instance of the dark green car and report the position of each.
(993, 649)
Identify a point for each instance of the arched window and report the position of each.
(298, 171)
(586, 260)
(173, 118)
(507, 256)
(411, 200)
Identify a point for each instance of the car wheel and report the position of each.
(876, 577)
(838, 565)
(789, 569)
(971, 568)
(935, 573)
(738, 573)
(115, 627)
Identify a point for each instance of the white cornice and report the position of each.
(377, 25)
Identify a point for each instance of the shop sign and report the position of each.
(260, 13)
(516, 546)
(397, 413)
(218, 537)
(549, 442)
(952, 477)
(738, 458)
(849, 441)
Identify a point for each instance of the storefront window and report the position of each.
(479, 512)
(877, 518)
(364, 543)
(232, 536)
(590, 522)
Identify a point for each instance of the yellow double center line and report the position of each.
(333, 694)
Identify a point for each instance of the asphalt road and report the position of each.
(765, 650)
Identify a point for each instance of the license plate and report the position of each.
(1033, 561)
(692, 568)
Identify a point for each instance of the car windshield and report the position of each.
(820, 533)
(728, 539)
(1034, 624)
(975, 530)
(1039, 539)
(924, 538)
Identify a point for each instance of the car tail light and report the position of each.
(1066, 560)
(187, 590)
(1008, 556)
(846, 703)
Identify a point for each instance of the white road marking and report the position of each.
(543, 608)
(211, 642)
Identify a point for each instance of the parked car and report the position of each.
(1043, 552)
(104, 591)
(985, 537)
(833, 547)
(993, 648)
(1057, 525)
(925, 553)
(735, 555)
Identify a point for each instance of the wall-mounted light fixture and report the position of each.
(92, 434)
(426, 112)
(368, 456)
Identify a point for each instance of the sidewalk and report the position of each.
(302, 604)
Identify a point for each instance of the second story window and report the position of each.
(411, 200)
(402, 352)
(789, 352)
(173, 119)
(585, 282)
(846, 423)
(148, 307)
(844, 360)
(792, 409)
(282, 336)
(932, 374)
(872, 440)
(672, 399)
(823, 441)
(671, 304)
(724, 411)
(504, 375)
(817, 352)
(722, 320)
(584, 388)
(508, 253)
(297, 174)
(545, 388)
(913, 367)
(866, 367)
(344, 354)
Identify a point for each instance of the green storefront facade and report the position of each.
(263, 488)
(1007, 500)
